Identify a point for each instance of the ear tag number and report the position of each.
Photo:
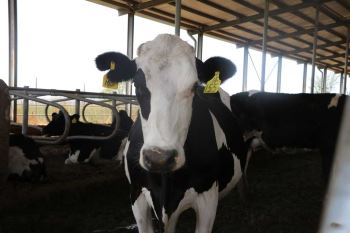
(213, 85)
(108, 84)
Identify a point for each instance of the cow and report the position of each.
(26, 163)
(82, 150)
(275, 120)
(184, 150)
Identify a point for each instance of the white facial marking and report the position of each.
(120, 153)
(126, 168)
(170, 72)
(334, 101)
(225, 98)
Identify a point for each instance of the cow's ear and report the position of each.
(120, 67)
(226, 68)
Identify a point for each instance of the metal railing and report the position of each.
(100, 99)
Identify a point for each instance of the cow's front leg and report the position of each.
(205, 208)
(143, 214)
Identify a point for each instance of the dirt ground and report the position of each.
(285, 196)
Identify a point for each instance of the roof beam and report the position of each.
(149, 4)
(256, 17)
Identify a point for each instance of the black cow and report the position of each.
(185, 150)
(82, 150)
(26, 162)
(275, 121)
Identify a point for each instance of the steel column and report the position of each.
(346, 59)
(77, 103)
(130, 53)
(279, 73)
(200, 46)
(341, 88)
(314, 48)
(245, 68)
(264, 45)
(324, 80)
(177, 17)
(25, 114)
(12, 81)
(304, 77)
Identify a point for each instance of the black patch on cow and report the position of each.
(143, 95)
(207, 69)
(124, 67)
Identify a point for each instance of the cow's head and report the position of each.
(165, 76)
(57, 124)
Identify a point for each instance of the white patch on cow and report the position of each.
(170, 72)
(143, 215)
(72, 158)
(204, 204)
(126, 168)
(237, 175)
(120, 153)
(219, 133)
(334, 101)
(17, 162)
(149, 200)
(225, 98)
(252, 92)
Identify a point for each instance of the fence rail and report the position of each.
(90, 98)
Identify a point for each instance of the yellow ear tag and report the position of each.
(74, 121)
(108, 84)
(213, 85)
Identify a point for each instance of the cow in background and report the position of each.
(82, 150)
(185, 149)
(275, 120)
(26, 162)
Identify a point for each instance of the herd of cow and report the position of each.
(190, 145)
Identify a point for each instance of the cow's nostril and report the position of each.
(159, 160)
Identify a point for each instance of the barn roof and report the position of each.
(290, 26)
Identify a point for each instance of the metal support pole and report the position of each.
(346, 59)
(279, 73)
(245, 68)
(77, 104)
(25, 114)
(341, 88)
(200, 46)
(314, 48)
(12, 82)
(130, 53)
(264, 45)
(304, 77)
(324, 80)
(177, 17)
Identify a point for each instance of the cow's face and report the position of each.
(164, 88)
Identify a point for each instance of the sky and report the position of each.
(58, 41)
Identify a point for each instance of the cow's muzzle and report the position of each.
(159, 160)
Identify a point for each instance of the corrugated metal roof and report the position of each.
(291, 24)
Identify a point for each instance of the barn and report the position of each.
(156, 146)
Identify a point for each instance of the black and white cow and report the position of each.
(185, 150)
(25, 162)
(82, 150)
(274, 121)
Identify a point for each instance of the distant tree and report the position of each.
(332, 83)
